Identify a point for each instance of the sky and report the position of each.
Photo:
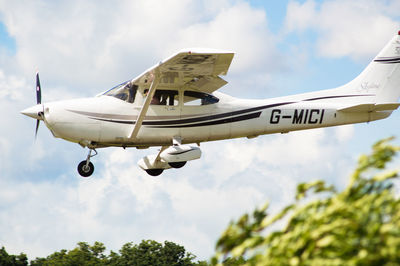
(85, 47)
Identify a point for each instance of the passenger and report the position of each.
(163, 99)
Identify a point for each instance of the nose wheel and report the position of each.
(86, 168)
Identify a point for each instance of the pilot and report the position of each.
(131, 92)
(156, 97)
(155, 100)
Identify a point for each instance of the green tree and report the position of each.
(150, 252)
(12, 260)
(83, 254)
(357, 226)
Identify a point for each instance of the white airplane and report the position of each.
(175, 103)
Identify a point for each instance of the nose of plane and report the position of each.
(34, 111)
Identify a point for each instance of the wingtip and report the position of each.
(195, 50)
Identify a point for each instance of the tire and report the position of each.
(177, 164)
(154, 172)
(85, 171)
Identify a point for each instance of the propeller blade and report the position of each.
(38, 100)
(38, 90)
(37, 127)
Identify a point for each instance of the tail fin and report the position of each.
(382, 75)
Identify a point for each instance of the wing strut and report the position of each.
(145, 106)
(158, 158)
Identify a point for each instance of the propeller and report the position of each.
(36, 111)
(38, 101)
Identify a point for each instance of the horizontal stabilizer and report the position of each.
(370, 107)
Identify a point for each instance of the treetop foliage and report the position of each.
(357, 226)
(148, 252)
(17, 260)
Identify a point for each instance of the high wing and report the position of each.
(196, 69)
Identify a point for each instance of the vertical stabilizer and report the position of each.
(382, 75)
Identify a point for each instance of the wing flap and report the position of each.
(206, 84)
(370, 107)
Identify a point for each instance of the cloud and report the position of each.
(239, 28)
(11, 87)
(90, 49)
(300, 17)
(121, 203)
(345, 28)
(86, 45)
(344, 133)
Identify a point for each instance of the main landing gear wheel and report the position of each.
(177, 164)
(85, 170)
(154, 172)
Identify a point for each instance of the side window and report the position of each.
(195, 98)
(165, 97)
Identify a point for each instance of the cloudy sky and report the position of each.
(84, 47)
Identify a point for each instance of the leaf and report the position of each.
(318, 186)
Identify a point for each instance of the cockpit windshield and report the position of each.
(125, 92)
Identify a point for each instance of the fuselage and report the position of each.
(108, 121)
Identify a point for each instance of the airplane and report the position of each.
(175, 105)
